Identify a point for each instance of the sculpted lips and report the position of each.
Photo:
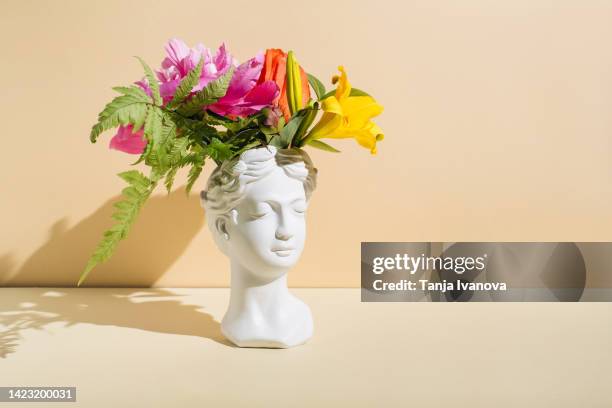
(283, 252)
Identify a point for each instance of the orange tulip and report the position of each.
(274, 70)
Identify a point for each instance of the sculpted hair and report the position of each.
(228, 182)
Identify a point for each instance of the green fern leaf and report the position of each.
(168, 132)
(214, 91)
(194, 172)
(169, 182)
(186, 85)
(176, 153)
(163, 133)
(153, 84)
(145, 154)
(178, 150)
(153, 125)
(218, 150)
(196, 130)
(122, 110)
(134, 91)
(139, 189)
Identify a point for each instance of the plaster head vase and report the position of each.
(202, 105)
(255, 207)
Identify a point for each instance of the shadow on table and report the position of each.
(154, 310)
(160, 235)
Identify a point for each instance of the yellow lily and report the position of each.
(346, 116)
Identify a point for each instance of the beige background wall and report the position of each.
(498, 126)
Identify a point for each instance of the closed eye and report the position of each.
(260, 210)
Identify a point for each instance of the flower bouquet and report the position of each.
(201, 106)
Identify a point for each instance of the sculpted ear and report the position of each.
(222, 221)
(221, 227)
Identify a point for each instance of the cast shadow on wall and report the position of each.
(160, 235)
(162, 232)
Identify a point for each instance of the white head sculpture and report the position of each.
(255, 208)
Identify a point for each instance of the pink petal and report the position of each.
(214, 68)
(167, 89)
(128, 142)
(144, 84)
(222, 60)
(263, 94)
(259, 97)
(245, 77)
(181, 60)
(220, 109)
(176, 50)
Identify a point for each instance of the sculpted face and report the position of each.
(268, 229)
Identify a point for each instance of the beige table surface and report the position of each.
(163, 348)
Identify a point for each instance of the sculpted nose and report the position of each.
(282, 233)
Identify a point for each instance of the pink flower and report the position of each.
(244, 97)
(181, 60)
(144, 84)
(128, 142)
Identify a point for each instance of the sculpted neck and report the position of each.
(249, 293)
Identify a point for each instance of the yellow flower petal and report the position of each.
(343, 89)
(360, 109)
(326, 127)
(332, 105)
(348, 116)
(366, 136)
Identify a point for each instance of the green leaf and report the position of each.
(178, 150)
(153, 84)
(286, 135)
(316, 85)
(218, 150)
(197, 130)
(122, 110)
(154, 132)
(358, 92)
(168, 132)
(186, 85)
(214, 91)
(165, 153)
(268, 130)
(134, 91)
(176, 159)
(240, 123)
(322, 145)
(153, 125)
(138, 118)
(216, 119)
(134, 178)
(194, 173)
(145, 154)
(244, 135)
(309, 114)
(126, 211)
(170, 178)
(246, 147)
(354, 92)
